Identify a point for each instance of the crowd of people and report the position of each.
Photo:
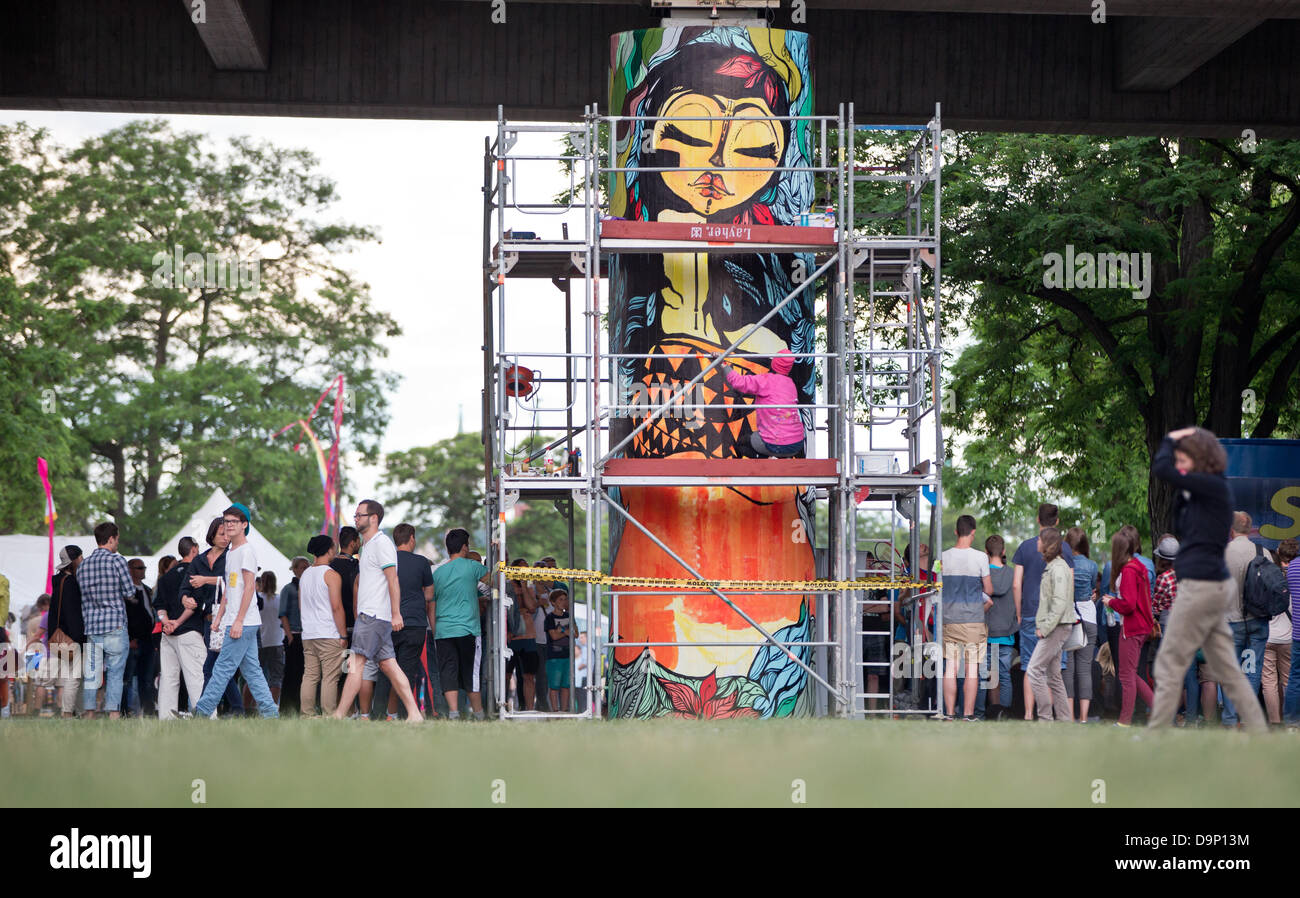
(367, 628)
(1205, 630)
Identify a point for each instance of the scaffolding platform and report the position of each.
(619, 235)
(721, 472)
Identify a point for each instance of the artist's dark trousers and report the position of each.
(291, 688)
(407, 644)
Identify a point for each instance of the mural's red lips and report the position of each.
(711, 185)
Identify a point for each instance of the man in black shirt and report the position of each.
(415, 580)
(137, 694)
(65, 623)
(347, 566)
(291, 621)
(182, 649)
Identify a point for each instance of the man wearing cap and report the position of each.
(67, 629)
(105, 584)
(239, 650)
(181, 651)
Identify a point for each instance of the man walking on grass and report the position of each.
(379, 613)
(241, 648)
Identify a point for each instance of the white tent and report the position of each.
(23, 559)
(269, 558)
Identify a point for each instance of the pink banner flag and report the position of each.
(43, 468)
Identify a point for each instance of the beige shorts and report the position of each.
(965, 640)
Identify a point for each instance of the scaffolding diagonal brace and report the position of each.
(749, 332)
(771, 640)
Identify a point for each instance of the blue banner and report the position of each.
(1264, 476)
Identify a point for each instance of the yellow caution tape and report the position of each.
(585, 576)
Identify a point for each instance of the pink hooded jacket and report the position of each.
(777, 426)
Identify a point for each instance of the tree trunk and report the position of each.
(113, 452)
(1173, 380)
(153, 435)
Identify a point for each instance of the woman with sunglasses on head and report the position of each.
(199, 596)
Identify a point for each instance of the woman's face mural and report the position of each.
(684, 307)
(743, 139)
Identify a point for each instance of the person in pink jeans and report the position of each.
(1132, 601)
(780, 430)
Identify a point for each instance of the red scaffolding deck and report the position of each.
(721, 471)
(619, 235)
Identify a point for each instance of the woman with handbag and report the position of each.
(200, 595)
(67, 630)
(1052, 625)
(1078, 663)
(1131, 599)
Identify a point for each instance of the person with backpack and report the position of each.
(1249, 625)
(1192, 460)
(1000, 619)
(1078, 663)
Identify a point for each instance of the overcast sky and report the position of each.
(419, 185)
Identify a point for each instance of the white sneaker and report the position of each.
(185, 715)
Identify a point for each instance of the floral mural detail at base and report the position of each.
(774, 686)
(704, 703)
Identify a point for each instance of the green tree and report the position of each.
(172, 378)
(31, 366)
(1067, 392)
(442, 485)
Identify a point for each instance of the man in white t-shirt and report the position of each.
(239, 650)
(378, 613)
(967, 588)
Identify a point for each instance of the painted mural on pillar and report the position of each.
(685, 307)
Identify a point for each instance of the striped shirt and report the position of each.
(1293, 585)
(105, 582)
(964, 571)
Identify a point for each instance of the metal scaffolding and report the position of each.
(877, 416)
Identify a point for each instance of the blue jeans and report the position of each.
(1028, 642)
(234, 702)
(130, 694)
(1002, 654)
(1291, 703)
(114, 646)
(1192, 683)
(238, 655)
(1248, 636)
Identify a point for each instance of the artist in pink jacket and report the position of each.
(780, 430)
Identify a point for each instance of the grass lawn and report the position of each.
(669, 762)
